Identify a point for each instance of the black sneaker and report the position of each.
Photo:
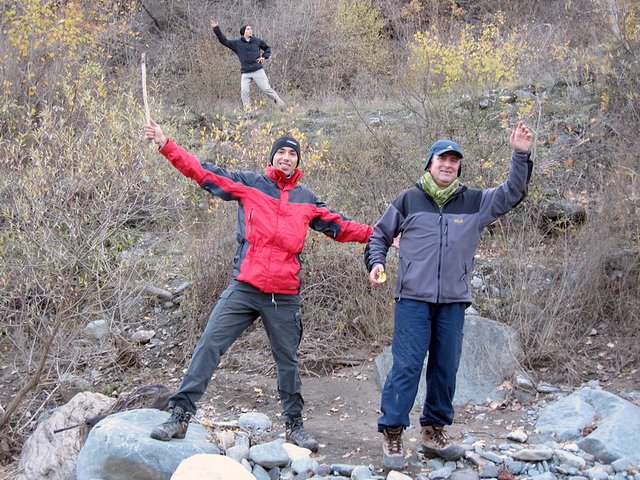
(296, 434)
(393, 448)
(175, 427)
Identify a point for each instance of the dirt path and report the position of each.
(341, 411)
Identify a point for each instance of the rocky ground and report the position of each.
(341, 403)
(342, 407)
(342, 396)
(341, 412)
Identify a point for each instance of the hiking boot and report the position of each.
(436, 443)
(392, 448)
(296, 434)
(175, 427)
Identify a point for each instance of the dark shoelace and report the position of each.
(394, 440)
(182, 417)
(440, 437)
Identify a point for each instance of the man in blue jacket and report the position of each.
(439, 223)
(252, 52)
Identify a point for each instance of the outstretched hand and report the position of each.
(213, 23)
(153, 132)
(521, 138)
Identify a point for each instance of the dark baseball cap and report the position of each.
(440, 147)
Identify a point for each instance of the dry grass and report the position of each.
(88, 211)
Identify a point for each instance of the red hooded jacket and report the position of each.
(275, 213)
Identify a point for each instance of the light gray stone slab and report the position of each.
(119, 448)
(490, 353)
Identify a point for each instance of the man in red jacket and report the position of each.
(275, 213)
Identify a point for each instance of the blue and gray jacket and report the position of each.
(438, 243)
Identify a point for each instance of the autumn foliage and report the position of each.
(89, 211)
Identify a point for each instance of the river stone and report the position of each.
(205, 466)
(119, 448)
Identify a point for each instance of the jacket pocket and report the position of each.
(418, 279)
(465, 280)
(403, 276)
(455, 283)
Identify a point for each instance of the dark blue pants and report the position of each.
(238, 307)
(422, 327)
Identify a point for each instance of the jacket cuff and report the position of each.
(167, 147)
(521, 156)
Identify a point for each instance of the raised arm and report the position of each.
(521, 138)
(216, 180)
(221, 38)
(499, 200)
(154, 132)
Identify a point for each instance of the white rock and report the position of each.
(295, 452)
(536, 454)
(394, 475)
(205, 466)
(569, 459)
(143, 336)
(97, 329)
(518, 436)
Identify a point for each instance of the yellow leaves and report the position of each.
(482, 56)
(382, 277)
(245, 145)
(487, 164)
(51, 39)
(625, 16)
(412, 9)
(361, 18)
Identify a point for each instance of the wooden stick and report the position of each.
(147, 115)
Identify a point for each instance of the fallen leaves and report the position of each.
(591, 427)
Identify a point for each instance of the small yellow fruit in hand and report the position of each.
(381, 277)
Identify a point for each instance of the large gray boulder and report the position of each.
(119, 448)
(490, 353)
(616, 422)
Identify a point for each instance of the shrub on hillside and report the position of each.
(78, 192)
(475, 58)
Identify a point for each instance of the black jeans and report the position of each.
(238, 307)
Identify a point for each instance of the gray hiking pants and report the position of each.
(238, 307)
(261, 80)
